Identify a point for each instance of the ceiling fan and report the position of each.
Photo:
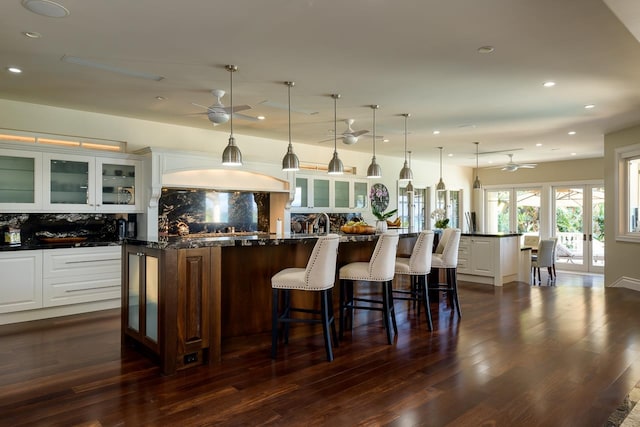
(349, 136)
(219, 114)
(513, 166)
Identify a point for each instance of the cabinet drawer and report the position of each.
(62, 292)
(82, 262)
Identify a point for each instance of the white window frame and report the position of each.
(621, 183)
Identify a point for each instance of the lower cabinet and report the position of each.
(78, 275)
(170, 298)
(488, 259)
(42, 283)
(21, 284)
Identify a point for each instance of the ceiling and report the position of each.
(409, 56)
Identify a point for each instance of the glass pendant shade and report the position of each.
(476, 183)
(290, 162)
(335, 165)
(231, 156)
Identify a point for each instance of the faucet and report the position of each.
(327, 222)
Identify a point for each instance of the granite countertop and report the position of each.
(256, 240)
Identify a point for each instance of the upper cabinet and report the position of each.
(37, 181)
(20, 178)
(336, 194)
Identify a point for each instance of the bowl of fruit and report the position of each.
(358, 227)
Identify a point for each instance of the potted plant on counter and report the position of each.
(440, 215)
(381, 223)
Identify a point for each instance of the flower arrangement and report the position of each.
(378, 192)
(440, 215)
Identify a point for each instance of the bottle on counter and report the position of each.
(278, 227)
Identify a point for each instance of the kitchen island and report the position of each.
(489, 258)
(184, 297)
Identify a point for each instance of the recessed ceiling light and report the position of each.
(436, 132)
(589, 106)
(47, 8)
(261, 117)
(572, 132)
(32, 34)
(549, 84)
(486, 49)
(573, 154)
(160, 98)
(14, 70)
(538, 145)
(385, 140)
(450, 155)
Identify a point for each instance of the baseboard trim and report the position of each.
(627, 282)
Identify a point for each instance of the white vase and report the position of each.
(381, 226)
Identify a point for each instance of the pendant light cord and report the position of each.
(335, 123)
(374, 130)
(405, 137)
(440, 163)
(289, 92)
(231, 97)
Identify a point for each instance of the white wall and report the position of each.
(142, 133)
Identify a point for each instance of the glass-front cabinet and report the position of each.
(77, 183)
(338, 194)
(20, 178)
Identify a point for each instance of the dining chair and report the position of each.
(447, 260)
(318, 276)
(544, 258)
(417, 267)
(380, 269)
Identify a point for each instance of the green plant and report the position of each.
(382, 216)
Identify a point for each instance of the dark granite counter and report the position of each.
(194, 241)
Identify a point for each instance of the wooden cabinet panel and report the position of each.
(21, 285)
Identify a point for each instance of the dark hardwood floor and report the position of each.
(521, 356)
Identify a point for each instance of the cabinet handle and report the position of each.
(91, 289)
(92, 260)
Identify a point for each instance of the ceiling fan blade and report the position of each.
(245, 117)
(527, 166)
(359, 132)
(326, 140)
(238, 108)
(201, 106)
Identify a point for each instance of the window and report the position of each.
(627, 181)
(498, 208)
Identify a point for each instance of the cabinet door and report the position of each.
(360, 194)
(483, 256)
(69, 182)
(341, 194)
(140, 302)
(20, 180)
(21, 285)
(321, 193)
(301, 198)
(116, 184)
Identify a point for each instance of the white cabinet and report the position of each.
(20, 178)
(80, 183)
(77, 275)
(337, 194)
(21, 284)
(490, 259)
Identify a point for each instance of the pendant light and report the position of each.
(406, 174)
(410, 185)
(440, 186)
(290, 161)
(374, 170)
(476, 183)
(231, 156)
(335, 165)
